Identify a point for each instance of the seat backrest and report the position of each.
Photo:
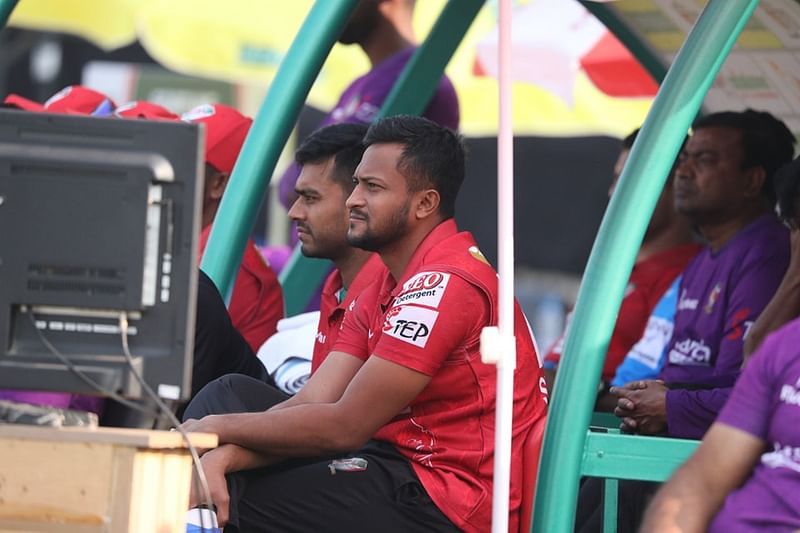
(530, 468)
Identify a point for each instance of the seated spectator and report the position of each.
(724, 184)
(402, 408)
(327, 159)
(785, 305)
(666, 249)
(733, 474)
(257, 301)
(745, 476)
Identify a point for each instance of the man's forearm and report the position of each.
(295, 431)
(682, 505)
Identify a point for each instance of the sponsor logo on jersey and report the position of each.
(410, 324)
(740, 327)
(426, 288)
(782, 456)
(690, 352)
(791, 395)
(475, 252)
(712, 299)
(686, 303)
(321, 338)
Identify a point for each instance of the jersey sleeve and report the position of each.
(421, 333)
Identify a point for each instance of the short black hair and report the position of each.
(343, 142)
(787, 189)
(767, 141)
(433, 156)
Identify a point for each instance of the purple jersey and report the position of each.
(363, 98)
(721, 295)
(766, 404)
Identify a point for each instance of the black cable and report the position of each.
(201, 475)
(86, 379)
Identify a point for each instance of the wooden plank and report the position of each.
(140, 438)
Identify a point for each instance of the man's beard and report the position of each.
(395, 229)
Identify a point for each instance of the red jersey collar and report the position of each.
(370, 271)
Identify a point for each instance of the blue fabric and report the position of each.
(647, 356)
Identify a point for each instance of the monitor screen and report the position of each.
(99, 220)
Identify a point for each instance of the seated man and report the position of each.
(725, 477)
(724, 185)
(327, 159)
(785, 305)
(257, 301)
(395, 427)
(745, 476)
(666, 249)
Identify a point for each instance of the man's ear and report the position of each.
(754, 181)
(427, 203)
(216, 185)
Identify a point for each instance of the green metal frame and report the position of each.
(614, 251)
(6, 7)
(301, 276)
(270, 130)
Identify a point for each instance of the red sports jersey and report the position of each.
(331, 311)
(257, 299)
(431, 321)
(649, 280)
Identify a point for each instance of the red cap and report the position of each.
(23, 103)
(146, 110)
(79, 99)
(226, 130)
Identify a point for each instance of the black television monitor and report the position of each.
(99, 219)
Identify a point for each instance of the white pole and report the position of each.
(505, 241)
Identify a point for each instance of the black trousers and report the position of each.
(632, 501)
(372, 489)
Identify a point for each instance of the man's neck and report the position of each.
(719, 234)
(350, 265)
(380, 49)
(397, 256)
(676, 234)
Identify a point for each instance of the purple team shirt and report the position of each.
(766, 404)
(721, 295)
(363, 98)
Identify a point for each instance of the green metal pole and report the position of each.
(6, 7)
(423, 71)
(410, 95)
(614, 251)
(269, 133)
(649, 58)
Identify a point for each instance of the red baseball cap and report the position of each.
(79, 99)
(146, 110)
(226, 130)
(23, 103)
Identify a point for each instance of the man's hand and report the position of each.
(215, 466)
(207, 424)
(642, 405)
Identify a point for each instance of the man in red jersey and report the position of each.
(404, 385)
(327, 159)
(257, 300)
